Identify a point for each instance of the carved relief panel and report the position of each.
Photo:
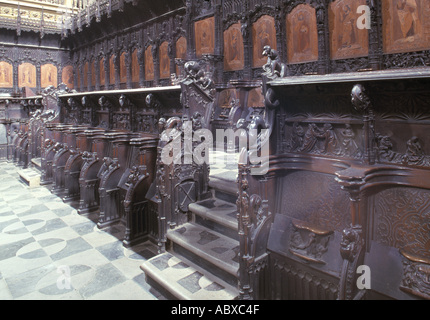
(346, 39)
(102, 72)
(225, 101)
(85, 74)
(302, 34)
(149, 64)
(322, 139)
(263, 34)
(308, 242)
(402, 220)
(406, 25)
(147, 122)
(78, 76)
(255, 98)
(6, 75)
(48, 75)
(233, 48)
(112, 69)
(181, 51)
(205, 36)
(135, 67)
(315, 198)
(93, 73)
(27, 75)
(164, 61)
(121, 121)
(122, 68)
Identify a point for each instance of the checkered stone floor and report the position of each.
(49, 251)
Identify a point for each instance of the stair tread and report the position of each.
(208, 244)
(224, 171)
(37, 161)
(185, 280)
(30, 177)
(224, 184)
(220, 211)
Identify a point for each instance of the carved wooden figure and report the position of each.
(302, 34)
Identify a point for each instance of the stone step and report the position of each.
(211, 250)
(218, 215)
(178, 278)
(30, 177)
(37, 164)
(224, 189)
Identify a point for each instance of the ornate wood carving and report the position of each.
(406, 25)
(295, 277)
(347, 41)
(102, 72)
(67, 76)
(263, 34)
(123, 67)
(416, 271)
(351, 249)
(255, 98)
(135, 67)
(6, 75)
(327, 206)
(254, 224)
(112, 68)
(93, 74)
(85, 75)
(309, 242)
(234, 58)
(149, 64)
(402, 218)
(205, 36)
(164, 60)
(181, 53)
(27, 75)
(302, 34)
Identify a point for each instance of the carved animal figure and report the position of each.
(273, 68)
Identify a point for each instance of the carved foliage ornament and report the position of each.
(402, 219)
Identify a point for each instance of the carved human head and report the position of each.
(267, 50)
(70, 102)
(102, 101)
(359, 98)
(122, 100)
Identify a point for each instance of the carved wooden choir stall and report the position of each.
(329, 197)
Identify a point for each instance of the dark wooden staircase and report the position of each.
(201, 259)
